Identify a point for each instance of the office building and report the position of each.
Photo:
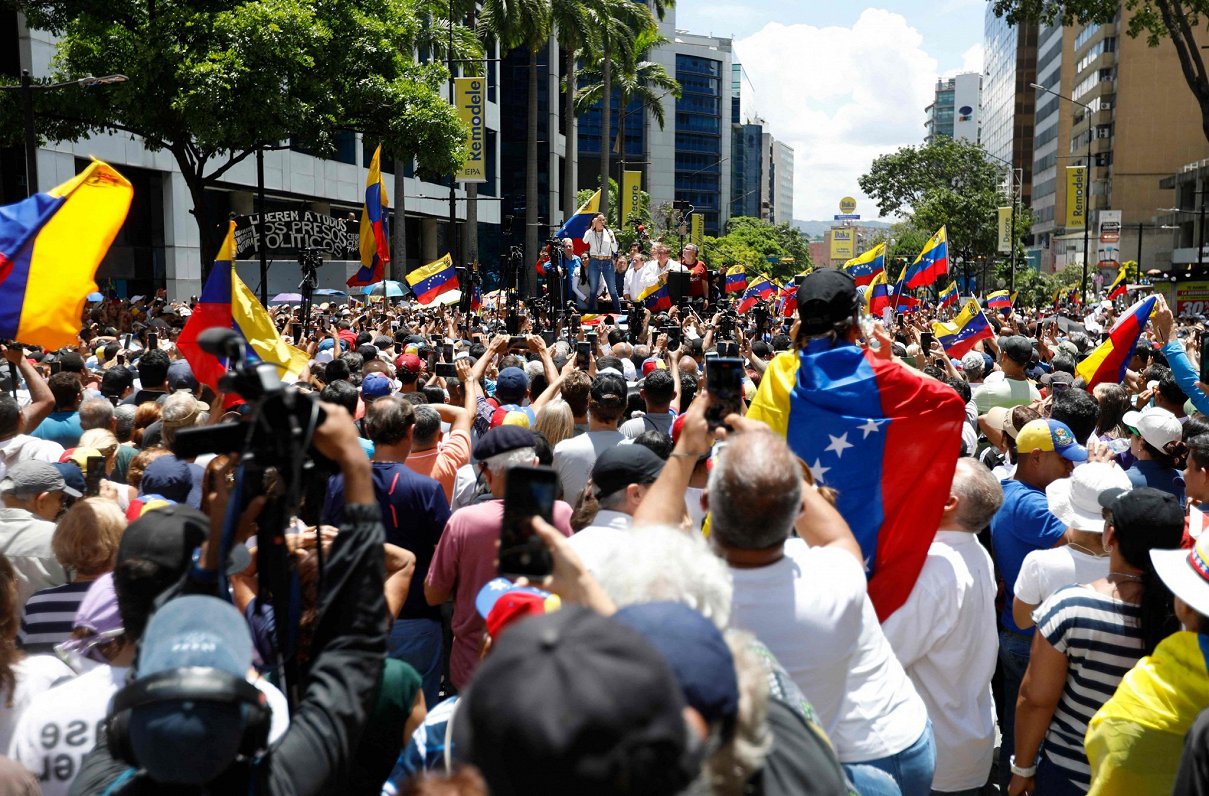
(747, 138)
(1051, 136)
(1010, 65)
(955, 109)
(782, 182)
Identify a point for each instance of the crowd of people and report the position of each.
(705, 624)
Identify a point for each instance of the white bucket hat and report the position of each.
(1076, 500)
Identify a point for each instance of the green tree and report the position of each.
(1177, 20)
(751, 242)
(212, 83)
(523, 23)
(626, 233)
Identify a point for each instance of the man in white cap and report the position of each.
(1076, 502)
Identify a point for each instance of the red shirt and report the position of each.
(697, 285)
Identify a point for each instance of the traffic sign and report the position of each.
(847, 217)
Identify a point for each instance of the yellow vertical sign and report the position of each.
(842, 243)
(469, 99)
(1076, 196)
(698, 234)
(631, 191)
(1005, 230)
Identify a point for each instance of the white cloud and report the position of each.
(971, 61)
(840, 97)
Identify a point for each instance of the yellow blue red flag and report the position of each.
(931, 264)
(577, 225)
(50, 247)
(736, 279)
(656, 297)
(948, 296)
(867, 266)
(430, 281)
(375, 234)
(963, 332)
(1110, 359)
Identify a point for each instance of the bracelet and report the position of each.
(1027, 773)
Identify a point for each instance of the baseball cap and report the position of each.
(609, 388)
(71, 361)
(168, 477)
(652, 363)
(189, 742)
(1076, 500)
(502, 439)
(180, 376)
(1017, 348)
(622, 465)
(73, 478)
(501, 602)
(409, 362)
(696, 651)
(574, 702)
(1057, 376)
(1186, 573)
(1157, 426)
(824, 297)
(166, 536)
(375, 385)
(1050, 435)
(1147, 509)
(29, 477)
(510, 385)
(182, 409)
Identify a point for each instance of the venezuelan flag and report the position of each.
(851, 417)
(227, 302)
(1118, 287)
(788, 301)
(577, 225)
(656, 297)
(963, 332)
(375, 234)
(1107, 363)
(948, 296)
(759, 288)
(999, 300)
(50, 247)
(430, 281)
(931, 264)
(736, 279)
(878, 297)
(902, 300)
(867, 266)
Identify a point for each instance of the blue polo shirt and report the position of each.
(61, 427)
(1022, 524)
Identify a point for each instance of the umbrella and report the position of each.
(286, 298)
(95, 297)
(328, 292)
(388, 288)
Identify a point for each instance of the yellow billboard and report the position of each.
(1076, 196)
(1005, 230)
(469, 99)
(698, 234)
(631, 192)
(842, 243)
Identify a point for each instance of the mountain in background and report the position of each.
(815, 230)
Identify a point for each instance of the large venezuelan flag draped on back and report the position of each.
(50, 247)
(1108, 362)
(375, 234)
(577, 225)
(227, 302)
(931, 264)
(862, 425)
(865, 268)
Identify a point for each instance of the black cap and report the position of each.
(166, 536)
(622, 465)
(502, 439)
(609, 388)
(71, 362)
(1017, 348)
(574, 702)
(1154, 510)
(1057, 376)
(825, 297)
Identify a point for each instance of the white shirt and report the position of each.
(574, 458)
(1045, 571)
(597, 542)
(944, 635)
(638, 280)
(59, 728)
(34, 674)
(811, 610)
(601, 244)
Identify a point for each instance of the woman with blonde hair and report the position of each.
(555, 422)
(117, 456)
(85, 542)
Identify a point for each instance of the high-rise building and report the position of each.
(1010, 65)
(1051, 135)
(782, 190)
(955, 109)
(747, 136)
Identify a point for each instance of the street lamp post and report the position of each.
(1142, 226)
(26, 88)
(1087, 182)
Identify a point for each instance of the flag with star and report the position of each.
(884, 437)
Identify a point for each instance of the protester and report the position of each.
(620, 479)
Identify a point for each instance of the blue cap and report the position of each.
(694, 648)
(326, 344)
(510, 386)
(191, 742)
(168, 477)
(180, 376)
(375, 385)
(73, 478)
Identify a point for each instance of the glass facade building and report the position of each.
(1010, 65)
(700, 125)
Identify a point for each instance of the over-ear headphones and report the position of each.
(189, 684)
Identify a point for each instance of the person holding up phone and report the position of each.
(466, 556)
(1193, 382)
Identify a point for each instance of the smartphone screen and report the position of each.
(728, 349)
(518, 341)
(153, 341)
(447, 352)
(93, 471)
(296, 331)
(583, 351)
(528, 492)
(724, 383)
(925, 341)
(446, 370)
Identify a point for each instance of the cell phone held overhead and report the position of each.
(528, 492)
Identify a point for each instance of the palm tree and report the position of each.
(523, 23)
(634, 77)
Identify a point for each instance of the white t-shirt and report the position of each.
(574, 458)
(60, 726)
(811, 610)
(1045, 571)
(597, 542)
(34, 674)
(944, 634)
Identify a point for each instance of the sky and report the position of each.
(842, 82)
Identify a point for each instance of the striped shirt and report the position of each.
(1101, 639)
(50, 615)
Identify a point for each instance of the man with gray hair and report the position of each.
(465, 557)
(944, 634)
(123, 421)
(96, 413)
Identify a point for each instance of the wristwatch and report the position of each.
(1027, 773)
